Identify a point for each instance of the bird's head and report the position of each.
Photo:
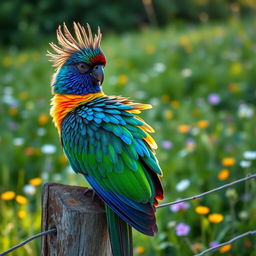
(79, 61)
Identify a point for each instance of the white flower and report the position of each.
(250, 155)
(29, 190)
(159, 67)
(245, 164)
(18, 141)
(244, 111)
(48, 149)
(182, 185)
(41, 131)
(186, 72)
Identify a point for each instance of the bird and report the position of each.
(103, 137)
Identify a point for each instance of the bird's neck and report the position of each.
(62, 104)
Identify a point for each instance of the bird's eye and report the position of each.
(82, 67)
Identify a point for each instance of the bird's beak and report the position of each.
(98, 73)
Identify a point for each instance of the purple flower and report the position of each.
(214, 243)
(182, 229)
(166, 144)
(179, 207)
(214, 98)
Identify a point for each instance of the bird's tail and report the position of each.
(120, 234)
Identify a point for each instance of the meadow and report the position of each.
(200, 80)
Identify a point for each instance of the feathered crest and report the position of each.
(68, 45)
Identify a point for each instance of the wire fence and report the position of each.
(209, 250)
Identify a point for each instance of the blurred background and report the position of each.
(193, 60)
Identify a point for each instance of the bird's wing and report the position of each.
(105, 141)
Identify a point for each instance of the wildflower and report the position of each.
(48, 149)
(243, 215)
(29, 190)
(175, 104)
(29, 151)
(190, 144)
(21, 199)
(244, 111)
(140, 250)
(150, 49)
(22, 214)
(185, 43)
(43, 119)
(214, 98)
(168, 114)
(186, 72)
(179, 207)
(159, 67)
(235, 68)
(7, 61)
(202, 210)
(35, 182)
(182, 229)
(23, 95)
(215, 217)
(183, 128)
(41, 131)
(196, 247)
(122, 79)
(8, 195)
(233, 87)
(225, 248)
(214, 243)
(13, 111)
(166, 144)
(182, 185)
(250, 155)
(245, 164)
(231, 194)
(18, 141)
(22, 59)
(223, 174)
(228, 161)
(203, 124)
(171, 224)
(165, 98)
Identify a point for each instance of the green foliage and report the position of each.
(200, 81)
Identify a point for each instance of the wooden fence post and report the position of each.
(79, 220)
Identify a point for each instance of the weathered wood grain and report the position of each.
(79, 220)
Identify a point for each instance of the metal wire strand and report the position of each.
(249, 233)
(54, 230)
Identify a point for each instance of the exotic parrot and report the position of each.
(103, 138)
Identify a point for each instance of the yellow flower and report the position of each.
(140, 249)
(150, 49)
(228, 161)
(175, 104)
(203, 124)
(215, 217)
(196, 112)
(22, 59)
(165, 98)
(225, 248)
(202, 210)
(8, 195)
(43, 119)
(235, 68)
(21, 199)
(223, 174)
(22, 214)
(63, 159)
(185, 43)
(183, 128)
(23, 95)
(7, 61)
(168, 114)
(122, 79)
(35, 181)
(13, 111)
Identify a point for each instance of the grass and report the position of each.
(201, 83)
